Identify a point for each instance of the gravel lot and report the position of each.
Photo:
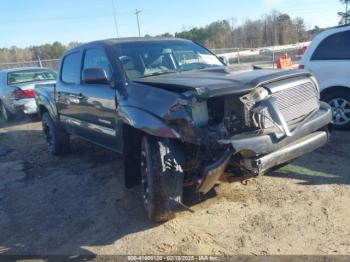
(77, 205)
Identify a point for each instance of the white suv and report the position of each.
(328, 58)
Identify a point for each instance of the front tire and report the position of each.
(57, 139)
(340, 102)
(162, 177)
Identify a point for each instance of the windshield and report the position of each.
(30, 75)
(148, 58)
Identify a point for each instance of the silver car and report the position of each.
(17, 90)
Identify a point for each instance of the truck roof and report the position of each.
(143, 39)
(128, 40)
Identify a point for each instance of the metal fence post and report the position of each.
(39, 60)
(238, 57)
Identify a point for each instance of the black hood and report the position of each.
(218, 81)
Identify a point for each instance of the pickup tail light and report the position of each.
(301, 67)
(22, 94)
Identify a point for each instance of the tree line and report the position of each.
(345, 16)
(274, 28)
(34, 53)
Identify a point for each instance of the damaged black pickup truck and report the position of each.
(179, 115)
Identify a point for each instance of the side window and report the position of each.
(71, 69)
(96, 58)
(334, 47)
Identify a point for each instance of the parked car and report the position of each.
(328, 58)
(17, 90)
(179, 116)
(265, 51)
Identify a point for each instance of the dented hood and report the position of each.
(218, 81)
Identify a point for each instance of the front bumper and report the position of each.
(260, 165)
(266, 143)
(272, 150)
(27, 106)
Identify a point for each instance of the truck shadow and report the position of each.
(70, 205)
(64, 205)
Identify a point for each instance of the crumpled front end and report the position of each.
(233, 134)
(248, 135)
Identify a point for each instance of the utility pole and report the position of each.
(137, 12)
(115, 19)
(297, 33)
(233, 21)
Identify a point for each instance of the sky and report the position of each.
(32, 22)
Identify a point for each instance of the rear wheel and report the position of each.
(57, 138)
(6, 115)
(33, 117)
(340, 103)
(162, 177)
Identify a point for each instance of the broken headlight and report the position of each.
(259, 94)
(200, 114)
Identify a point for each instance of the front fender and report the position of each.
(330, 83)
(147, 122)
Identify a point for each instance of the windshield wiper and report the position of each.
(160, 73)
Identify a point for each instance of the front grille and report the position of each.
(295, 103)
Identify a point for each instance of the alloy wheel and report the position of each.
(341, 111)
(144, 177)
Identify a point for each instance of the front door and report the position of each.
(97, 102)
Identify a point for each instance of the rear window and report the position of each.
(32, 75)
(71, 68)
(334, 47)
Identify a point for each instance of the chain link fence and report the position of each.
(262, 57)
(50, 63)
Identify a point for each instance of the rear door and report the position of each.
(68, 91)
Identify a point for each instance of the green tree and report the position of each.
(345, 16)
(168, 35)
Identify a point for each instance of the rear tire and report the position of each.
(162, 177)
(57, 139)
(339, 100)
(5, 114)
(33, 117)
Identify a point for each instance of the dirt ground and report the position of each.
(77, 205)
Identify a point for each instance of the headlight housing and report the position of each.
(314, 80)
(259, 94)
(200, 114)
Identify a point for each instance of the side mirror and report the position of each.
(224, 60)
(97, 76)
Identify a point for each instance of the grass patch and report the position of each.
(304, 171)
